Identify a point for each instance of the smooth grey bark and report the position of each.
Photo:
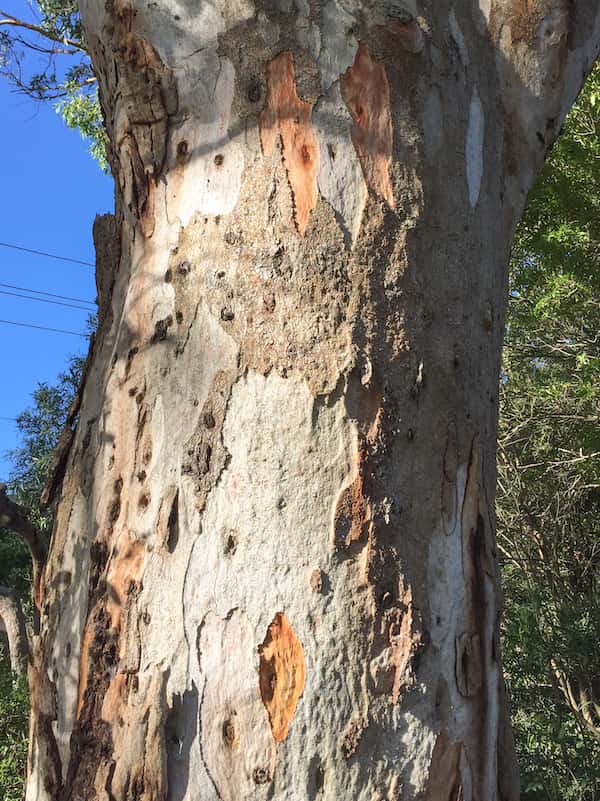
(12, 621)
(273, 572)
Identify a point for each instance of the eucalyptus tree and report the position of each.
(273, 569)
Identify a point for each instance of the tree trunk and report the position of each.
(12, 622)
(273, 572)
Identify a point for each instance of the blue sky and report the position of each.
(51, 192)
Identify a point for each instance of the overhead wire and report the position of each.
(47, 294)
(44, 328)
(48, 255)
(45, 300)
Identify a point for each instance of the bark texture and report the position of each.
(273, 572)
(12, 622)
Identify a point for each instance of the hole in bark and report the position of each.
(261, 776)
(182, 149)
(230, 544)
(179, 316)
(144, 501)
(115, 509)
(229, 733)
(161, 329)
(305, 154)
(173, 524)
(254, 92)
(331, 151)
(169, 276)
(219, 159)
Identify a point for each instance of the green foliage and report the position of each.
(549, 470)
(82, 111)
(50, 63)
(40, 427)
(14, 713)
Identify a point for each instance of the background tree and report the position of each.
(549, 489)
(40, 427)
(44, 55)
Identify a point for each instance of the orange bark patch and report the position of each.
(125, 572)
(352, 516)
(366, 92)
(285, 115)
(282, 674)
(444, 772)
(405, 639)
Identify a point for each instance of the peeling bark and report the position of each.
(273, 570)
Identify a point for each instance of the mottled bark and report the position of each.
(12, 622)
(273, 571)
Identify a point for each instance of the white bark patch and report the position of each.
(209, 179)
(341, 180)
(272, 509)
(236, 746)
(447, 587)
(481, 14)
(474, 147)
(66, 647)
(339, 43)
(459, 38)
(204, 165)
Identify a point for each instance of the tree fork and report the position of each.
(273, 570)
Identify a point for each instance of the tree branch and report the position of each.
(9, 19)
(12, 621)
(15, 518)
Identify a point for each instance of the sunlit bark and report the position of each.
(273, 571)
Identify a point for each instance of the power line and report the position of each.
(45, 300)
(44, 328)
(9, 419)
(48, 255)
(47, 294)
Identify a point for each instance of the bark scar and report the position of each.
(282, 674)
(366, 92)
(285, 115)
